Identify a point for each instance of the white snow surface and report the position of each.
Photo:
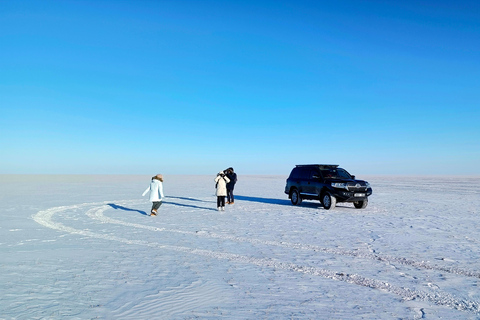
(83, 247)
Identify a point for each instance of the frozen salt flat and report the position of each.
(82, 247)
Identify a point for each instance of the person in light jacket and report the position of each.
(156, 193)
(221, 184)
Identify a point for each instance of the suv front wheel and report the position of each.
(361, 204)
(295, 197)
(328, 201)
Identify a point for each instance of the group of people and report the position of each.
(224, 183)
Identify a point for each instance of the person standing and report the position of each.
(231, 185)
(221, 185)
(156, 193)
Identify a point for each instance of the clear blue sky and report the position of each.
(142, 87)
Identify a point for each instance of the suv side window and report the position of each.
(328, 173)
(300, 173)
(307, 173)
(315, 174)
(303, 173)
(295, 173)
(310, 173)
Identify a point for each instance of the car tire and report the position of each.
(295, 197)
(361, 204)
(328, 201)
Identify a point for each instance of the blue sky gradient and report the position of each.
(142, 87)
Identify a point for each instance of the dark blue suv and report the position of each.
(327, 183)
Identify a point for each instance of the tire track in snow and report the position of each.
(45, 218)
(97, 213)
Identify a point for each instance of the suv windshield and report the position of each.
(335, 173)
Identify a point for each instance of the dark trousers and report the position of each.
(156, 205)
(221, 201)
(230, 195)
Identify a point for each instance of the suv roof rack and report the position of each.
(318, 165)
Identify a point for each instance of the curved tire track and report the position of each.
(97, 213)
(45, 218)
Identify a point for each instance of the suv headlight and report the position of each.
(368, 184)
(339, 185)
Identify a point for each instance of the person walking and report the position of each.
(231, 185)
(156, 193)
(221, 185)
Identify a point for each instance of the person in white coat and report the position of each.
(156, 193)
(221, 184)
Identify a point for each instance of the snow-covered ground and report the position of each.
(82, 247)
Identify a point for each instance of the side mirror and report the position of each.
(353, 177)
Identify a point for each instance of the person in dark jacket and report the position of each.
(231, 185)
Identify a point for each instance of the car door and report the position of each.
(301, 179)
(310, 182)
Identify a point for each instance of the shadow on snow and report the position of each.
(117, 207)
(283, 202)
(188, 205)
(264, 200)
(185, 198)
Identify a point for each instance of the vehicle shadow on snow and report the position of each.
(283, 202)
(264, 200)
(117, 207)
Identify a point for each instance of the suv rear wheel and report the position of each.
(295, 197)
(328, 201)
